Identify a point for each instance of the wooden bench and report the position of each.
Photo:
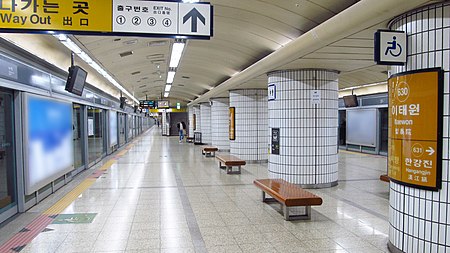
(288, 195)
(385, 178)
(229, 161)
(209, 151)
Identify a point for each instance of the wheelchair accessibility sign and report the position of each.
(390, 47)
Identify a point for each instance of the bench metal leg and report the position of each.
(230, 170)
(306, 216)
(220, 165)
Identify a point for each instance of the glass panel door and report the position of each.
(77, 136)
(384, 131)
(8, 195)
(96, 126)
(122, 129)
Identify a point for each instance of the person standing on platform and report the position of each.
(180, 130)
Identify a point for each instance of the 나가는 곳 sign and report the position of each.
(108, 17)
(415, 128)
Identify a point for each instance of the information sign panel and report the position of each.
(163, 104)
(415, 128)
(232, 130)
(113, 17)
(390, 47)
(147, 104)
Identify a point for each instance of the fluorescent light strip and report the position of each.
(166, 94)
(168, 87)
(177, 52)
(85, 57)
(170, 77)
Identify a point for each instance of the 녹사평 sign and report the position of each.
(415, 128)
(114, 17)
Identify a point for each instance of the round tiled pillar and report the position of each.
(205, 112)
(419, 219)
(165, 124)
(306, 126)
(250, 143)
(220, 123)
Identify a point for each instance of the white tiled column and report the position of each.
(250, 124)
(308, 152)
(191, 122)
(205, 111)
(419, 220)
(220, 123)
(165, 124)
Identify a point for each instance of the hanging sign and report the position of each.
(108, 17)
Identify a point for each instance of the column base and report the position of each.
(256, 161)
(319, 186)
(393, 249)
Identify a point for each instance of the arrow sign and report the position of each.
(430, 151)
(194, 14)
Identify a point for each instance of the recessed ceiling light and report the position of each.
(127, 53)
(135, 73)
(157, 43)
(118, 39)
(130, 42)
(155, 56)
(185, 77)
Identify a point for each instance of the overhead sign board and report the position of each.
(390, 47)
(109, 17)
(163, 104)
(147, 103)
(415, 128)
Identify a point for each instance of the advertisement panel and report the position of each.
(112, 128)
(415, 128)
(48, 141)
(232, 130)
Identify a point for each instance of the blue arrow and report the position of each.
(194, 14)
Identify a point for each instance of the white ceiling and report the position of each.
(245, 31)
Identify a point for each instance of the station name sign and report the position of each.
(108, 17)
(415, 128)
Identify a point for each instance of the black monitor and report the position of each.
(351, 101)
(76, 80)
(123, 100)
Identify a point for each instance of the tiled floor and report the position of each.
(163, 196)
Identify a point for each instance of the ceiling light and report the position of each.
(190, 1)
(166, 94)
(157, 43)
(177, 51)
(168, 87)
(170, 76)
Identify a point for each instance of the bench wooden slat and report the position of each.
(230, 160)
(287, 193)
(210, 149)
